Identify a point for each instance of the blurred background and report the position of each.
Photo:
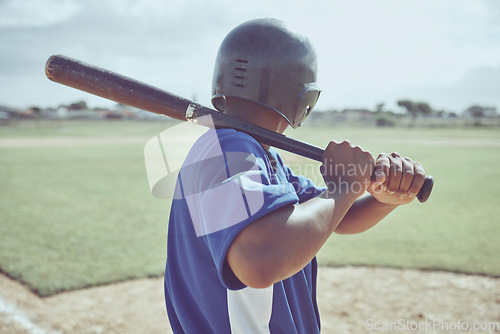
(445, 53)
(418, 77)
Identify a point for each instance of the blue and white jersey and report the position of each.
(226, 182)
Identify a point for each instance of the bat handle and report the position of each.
(425, 191)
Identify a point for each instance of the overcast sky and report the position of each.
(445, 52)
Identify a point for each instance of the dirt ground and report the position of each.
(351, 300)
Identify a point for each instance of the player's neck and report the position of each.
(261, 119)
(257, 115)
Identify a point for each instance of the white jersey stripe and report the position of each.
(250, 310)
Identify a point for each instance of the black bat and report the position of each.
(125, 90)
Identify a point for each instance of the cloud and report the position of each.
(164, 43)
(479, 85)
(493, 7)
(33, 13)
(365, 56)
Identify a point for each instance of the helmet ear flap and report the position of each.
(308, 98)
(219, 103)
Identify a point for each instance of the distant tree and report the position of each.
(410, 110)
(477, 111)
(423, 108)
(409, 107)
(415, 109)
(80, 105)
(380, 107)
(384, 119)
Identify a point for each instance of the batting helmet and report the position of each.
(265, 62)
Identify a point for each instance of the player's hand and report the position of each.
(347, 169)
(396, 180)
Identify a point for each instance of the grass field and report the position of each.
(457, 229)
(76, 215)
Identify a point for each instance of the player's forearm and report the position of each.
(283, 242)
(365, 213)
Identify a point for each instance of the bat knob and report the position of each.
(425, 191)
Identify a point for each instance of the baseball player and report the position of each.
(244, 231)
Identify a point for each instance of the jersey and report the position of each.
(226, 182)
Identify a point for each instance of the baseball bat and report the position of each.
(125, 90)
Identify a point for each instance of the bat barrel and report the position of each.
(115, 87)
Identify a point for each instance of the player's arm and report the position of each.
(279, 244)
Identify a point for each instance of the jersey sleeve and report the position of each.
(304, 187)
(227, 187)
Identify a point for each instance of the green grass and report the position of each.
(83, 128)
(456, 230)
(73, 217)
(76, 217)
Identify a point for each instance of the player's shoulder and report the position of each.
(217, 143)
(235, 141)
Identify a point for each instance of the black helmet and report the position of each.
(263, 61)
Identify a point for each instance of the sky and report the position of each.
(445, 53)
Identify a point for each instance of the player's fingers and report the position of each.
(407, 176)
(418, 179)
(380, 172)
(395, 173)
